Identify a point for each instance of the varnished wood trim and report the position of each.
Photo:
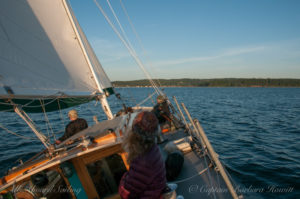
(85, 178)
(58, 169)
(124, 158)
(99, 154)
(20, 172)
(116, 196)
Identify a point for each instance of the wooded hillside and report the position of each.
(228, 82)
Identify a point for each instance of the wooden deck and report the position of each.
(196, 179)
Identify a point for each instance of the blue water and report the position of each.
(256, 132)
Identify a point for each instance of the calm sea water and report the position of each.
(256, 132)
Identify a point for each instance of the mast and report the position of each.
(83, 43)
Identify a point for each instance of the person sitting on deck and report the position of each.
(76, 125)
(146, 177)
(166, 119)
(161, 110)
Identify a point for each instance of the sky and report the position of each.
(195, 38)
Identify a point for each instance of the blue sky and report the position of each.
(197, 38)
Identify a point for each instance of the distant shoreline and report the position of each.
(225, 82)
(207, 87)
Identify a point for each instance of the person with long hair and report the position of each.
(146, 177)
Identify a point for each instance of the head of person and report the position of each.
(73, 115)
(160, 99)
(142, 135)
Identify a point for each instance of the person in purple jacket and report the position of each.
(146, 177)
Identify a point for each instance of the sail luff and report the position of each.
(81, 39)
(95, 64)
(73, 21)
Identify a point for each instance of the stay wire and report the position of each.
(13, 133)
(131, 51)
(145, 100)
(61, 116)
(48, 125)
(136, 35)
(121, 27)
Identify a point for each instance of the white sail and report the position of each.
(42, 54)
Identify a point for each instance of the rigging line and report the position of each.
(48, 125)
(218, 178)
(36, 106)
(142, 102)
(186, 179)
(209, 174)
(205, 153)
(132, 27)
(60, 114)
(79, 99)
(231, 179)
(27, 104)
(13, 133)
(129, 44)
(125, 35)
(137, 60)
(54, 99)
(137, 36)
(122, 29)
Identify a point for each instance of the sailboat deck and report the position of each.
(197, 179)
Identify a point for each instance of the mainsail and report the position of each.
(45, 55)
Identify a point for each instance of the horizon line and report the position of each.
(210, 78)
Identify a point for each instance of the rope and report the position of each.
(60, 115)
(209, 174)
(186, 179)
(121, 27)
(21, 136)
(231, 179)
(36, 106)
(142, 102)
(48, 124)
(137, 36)
(131, 51)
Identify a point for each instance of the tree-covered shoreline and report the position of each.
(224, 82)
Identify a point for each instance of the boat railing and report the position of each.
(198, 133)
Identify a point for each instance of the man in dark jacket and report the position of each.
(161, 110)
(76, 125)
(165, 117)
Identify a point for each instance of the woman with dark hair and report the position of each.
(146, 177)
